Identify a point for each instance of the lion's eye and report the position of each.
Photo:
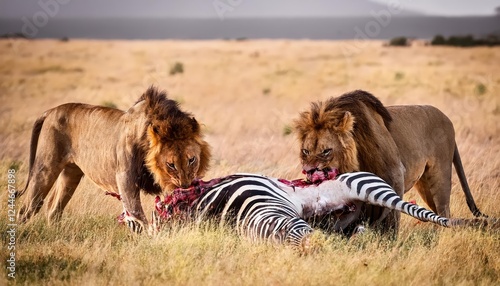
(192, 160)
(326, 152)
(305, 152)
(171, 166)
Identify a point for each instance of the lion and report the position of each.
(153, 146)
(407, 146)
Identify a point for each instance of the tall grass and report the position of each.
(95, 251)
(246, 128)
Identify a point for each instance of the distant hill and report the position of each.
(232, 28)
(199, 9)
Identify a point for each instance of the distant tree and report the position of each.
(438, 41)
(497, 10)
(399, 41)
(461, 41)
(466, 41)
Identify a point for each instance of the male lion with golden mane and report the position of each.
(407, 146)
(153, 146)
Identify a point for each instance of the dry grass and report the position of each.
(247, 94)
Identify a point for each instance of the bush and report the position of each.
(480, 89)
(399, 42)
(461, 41)
(438, 41)
(466, 41)
(399, 76)
(15, 165)
(178, 67)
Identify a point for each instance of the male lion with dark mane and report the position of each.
(407, 146)
(153, 146)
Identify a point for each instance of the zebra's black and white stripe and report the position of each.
(373, 190)
(265, 208)
(256, 206)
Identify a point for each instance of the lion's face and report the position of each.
(320, 150)
(326, 151)
(327, 142)
(179, 163)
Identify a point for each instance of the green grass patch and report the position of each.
(176, 68)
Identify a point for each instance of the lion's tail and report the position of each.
(35, 134)
(457, 162)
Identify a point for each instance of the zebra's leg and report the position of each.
(135, 225)
(375, 191)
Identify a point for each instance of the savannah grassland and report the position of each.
(246, 94)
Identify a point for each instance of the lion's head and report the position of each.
(334, 133)
(176, 153)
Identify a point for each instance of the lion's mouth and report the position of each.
(317, 176)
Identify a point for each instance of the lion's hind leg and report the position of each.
(47, 160)
(434, 187)
(39, 184)
(65, 187)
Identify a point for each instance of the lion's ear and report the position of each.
(153, 136)
(346, 124)
(194, 125)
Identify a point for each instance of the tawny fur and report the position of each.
(121, 151)
(407, 146)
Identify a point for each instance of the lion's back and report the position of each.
(86, 134)
(422, 125)
(422, 134)
(78, 119)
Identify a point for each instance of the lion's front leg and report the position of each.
(131, 199)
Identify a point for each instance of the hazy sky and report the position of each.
(240, 8)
